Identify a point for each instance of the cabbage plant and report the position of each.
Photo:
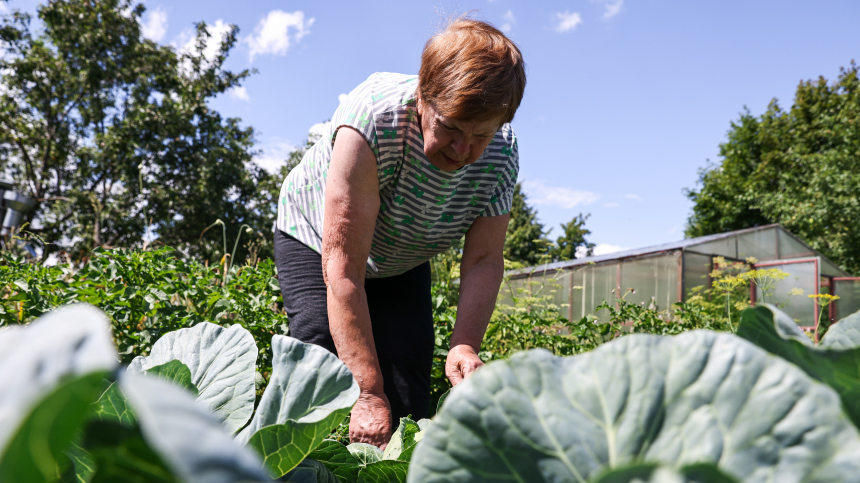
(184, 413)
(68, 414)
(696, 398)
(834, 361)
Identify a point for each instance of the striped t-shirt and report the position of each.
(423, 210)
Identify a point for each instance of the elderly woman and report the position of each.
(407, 167)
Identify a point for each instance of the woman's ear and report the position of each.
(419, 106)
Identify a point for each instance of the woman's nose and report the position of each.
(461, 147)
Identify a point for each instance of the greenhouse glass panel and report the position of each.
(655, 280)
(760, 244)
(696, 270)
(599, 282)
(800, 307)
(828, 269)
(726, 247)
(544, 287)
(577, 301)
(789, 247)
(849, 297)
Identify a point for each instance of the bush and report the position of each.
(147, 294)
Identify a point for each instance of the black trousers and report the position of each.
(401, 314)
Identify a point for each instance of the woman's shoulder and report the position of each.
(384, 90)
(503, 147)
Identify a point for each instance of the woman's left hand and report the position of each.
(462, 362)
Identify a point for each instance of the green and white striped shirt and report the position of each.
(423, 209)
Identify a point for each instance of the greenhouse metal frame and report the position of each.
(664, 274)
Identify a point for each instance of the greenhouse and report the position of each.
(664, 274)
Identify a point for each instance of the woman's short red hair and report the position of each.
(472, 72)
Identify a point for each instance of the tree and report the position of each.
(112, 135)
(573, 237)
(799, 168)
(525, 241)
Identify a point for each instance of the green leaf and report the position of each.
(35, 358)
(402, 439)
(442, 400)
(386, 471)
(176, 372)
(83, 465)
(112, 406)
(365, 453)
(283, 446)
(121, 454)
(844, 334)
(36, 450)
(310, 471)
(653, 473)
(834, 362)
(188, 437)
(222, 364)
(699, 397)
(337, 458)
(311, 391)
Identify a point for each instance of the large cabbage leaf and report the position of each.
(309, 394)
(34, 359)
(652, 473)
(835, 361)
(222, 364)
(37, 450)
(699, 397)
(186, 435)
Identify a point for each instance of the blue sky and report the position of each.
(626, 99)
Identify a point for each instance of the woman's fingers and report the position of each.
(461, 363)
(371, 420)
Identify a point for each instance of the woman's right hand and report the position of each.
(371, 420)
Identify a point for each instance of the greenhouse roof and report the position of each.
(705, 245)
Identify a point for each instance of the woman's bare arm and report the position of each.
(351, 207)
(480, 276)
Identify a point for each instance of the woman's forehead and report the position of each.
(479, 127)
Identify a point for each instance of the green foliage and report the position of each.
(797, 168)
(147, 294)
(360, 462)
(113, 135)
(525, 241)
(573, 237)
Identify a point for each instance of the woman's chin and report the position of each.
(447, 164)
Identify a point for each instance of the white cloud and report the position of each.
(606, 248)
(315, 133)
(240, 93)
(273, 155)
(560, 196)
(272, 35)
(611, 8)
(510, 21)
(3, 7)
(599, 249)
(155, 26)
(567, 21)
(341, 98)
(633, 197)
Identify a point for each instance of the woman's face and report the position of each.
(450, 144)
